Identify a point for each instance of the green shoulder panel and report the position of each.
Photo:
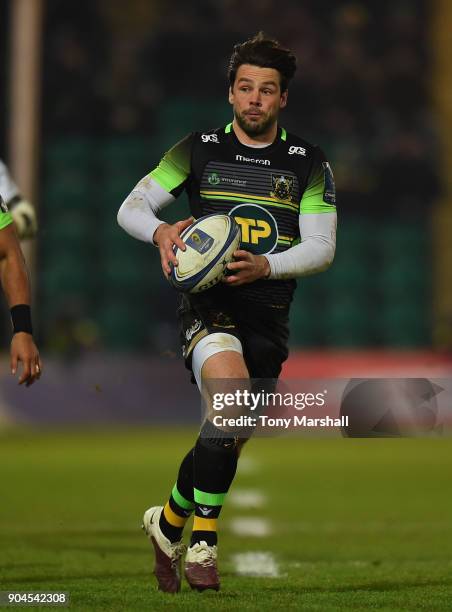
(320, 193)
(174, 167)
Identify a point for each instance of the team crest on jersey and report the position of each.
(282, 187)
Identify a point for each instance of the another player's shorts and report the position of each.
(263, 331)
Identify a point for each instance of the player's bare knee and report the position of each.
(228, 363)
(217, 356)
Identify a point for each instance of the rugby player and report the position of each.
(15, 284)
(281, 190)
(22, 212)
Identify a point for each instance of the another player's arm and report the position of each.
(16, 287)
(22, 212)
(317, 223)
(138, 213)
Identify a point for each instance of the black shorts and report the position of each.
(262, 330)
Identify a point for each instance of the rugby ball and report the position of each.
(210, 243)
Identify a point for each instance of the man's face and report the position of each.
(256, 98)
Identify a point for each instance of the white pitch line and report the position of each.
(247, 498)
(246, 526)
(256, 564)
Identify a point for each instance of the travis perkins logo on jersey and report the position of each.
(282, 187)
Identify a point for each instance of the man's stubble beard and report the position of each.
(253, 128)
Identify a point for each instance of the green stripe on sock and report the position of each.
(180, 500)
(209, 499)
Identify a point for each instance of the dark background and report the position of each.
(121, 86)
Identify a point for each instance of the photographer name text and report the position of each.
(279, 422)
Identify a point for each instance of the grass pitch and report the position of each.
(353, 524)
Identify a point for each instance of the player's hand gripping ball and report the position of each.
(210, 243)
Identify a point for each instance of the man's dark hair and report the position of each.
(266, 53)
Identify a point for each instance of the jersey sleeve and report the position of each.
(320, 193)
(5, 216)
(8, 188)
(174, 167)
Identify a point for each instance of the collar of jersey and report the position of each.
(255, 152)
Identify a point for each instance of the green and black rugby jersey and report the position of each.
(264, 189)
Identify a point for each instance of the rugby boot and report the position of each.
(167, 567)
(201, 567)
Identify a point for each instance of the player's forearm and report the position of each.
(138, 213)
(14, 278)
(137, 218)
(314, 254)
